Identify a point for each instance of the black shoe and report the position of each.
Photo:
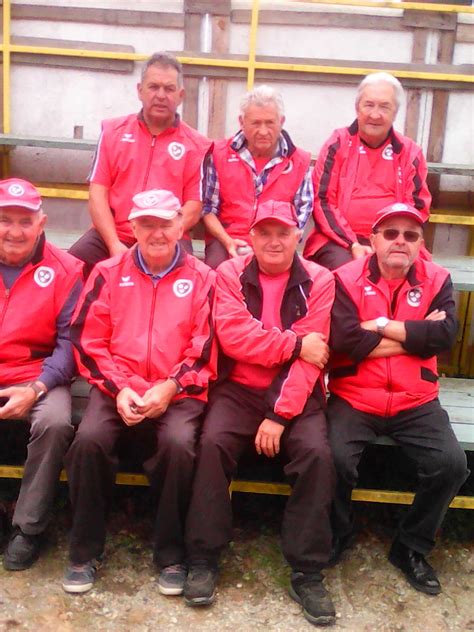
(415, 568)
(339, 546)
(22, 551)
(200, 584)
(308, 590)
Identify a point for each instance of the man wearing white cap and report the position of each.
(39, 288)
(393, 313)
(272, 322)
(144, 340)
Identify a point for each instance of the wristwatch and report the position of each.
(381, 323)
(39, 389)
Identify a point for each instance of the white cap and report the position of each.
(155, 203)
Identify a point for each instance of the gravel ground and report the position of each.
(369, 594)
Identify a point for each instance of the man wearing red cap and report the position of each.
(39, 288)
(272, 321)
(143, 337)
(360, 169)
(153, 149)
(393, 313)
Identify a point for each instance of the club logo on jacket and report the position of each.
(176, 150)
(387, 153)
(127, 138)
(43, 276)
(414, 297)
(369, 290)
(182, 287)
(126, 282)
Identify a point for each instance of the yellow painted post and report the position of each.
(6, 82)
(404, 6)
(252, 45)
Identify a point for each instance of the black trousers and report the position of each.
(91, 249)
(425, 435)
(234, 415)
(167, 446)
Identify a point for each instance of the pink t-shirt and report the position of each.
(273, 289)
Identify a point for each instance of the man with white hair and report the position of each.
(144, 339)
(361, 169)
(257, 164)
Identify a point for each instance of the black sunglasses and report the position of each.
(390, 234)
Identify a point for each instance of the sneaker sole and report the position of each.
(200, 601)
(170, 591)
(77, 588)
(322, 620)
(424, 589)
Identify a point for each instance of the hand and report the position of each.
(358, 250)
(128, 406)
(157, 399)
(314, 349)
(268, 436)
(117, 248)
(233, 245)
(436, 314)
(20, 401)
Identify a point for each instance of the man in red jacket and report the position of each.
(144, 340)
(361, 169)
(272, 319)
(257, 164)
(39, 288)
(153, 149)
(393, 313)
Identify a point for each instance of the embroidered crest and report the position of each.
(182, 287)
(43, 276)
(176, 150)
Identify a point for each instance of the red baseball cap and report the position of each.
(283, 212)
(155, 203)
(395, 210)
(17, 192)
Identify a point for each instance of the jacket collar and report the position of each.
(395, 141)
(375, 274)
(298, 274)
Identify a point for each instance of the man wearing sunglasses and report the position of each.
(393, 313)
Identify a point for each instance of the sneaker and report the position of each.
(171, 579)
(22, 551)
(308, 590)
(80, 578)
(200, 584)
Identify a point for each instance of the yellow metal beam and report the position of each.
(450, 218)
(68, 194)
(244, 64)
(6, 59)
(252, 45)
(417, 6)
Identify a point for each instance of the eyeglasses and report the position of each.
(390, 234)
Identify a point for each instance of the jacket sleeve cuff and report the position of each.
(416, 336)
(367, 344)
(297, 349)
(271, 414)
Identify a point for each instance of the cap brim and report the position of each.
(161, 214)
(390, 214)
(280, 220)
(27, 206)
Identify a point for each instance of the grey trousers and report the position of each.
(51, 433)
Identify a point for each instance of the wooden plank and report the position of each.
(113, 17)
(208, 6)
(81, 144)
(451, 169)
(439, 114)
(412, 120)
(465, 34)
(192, 42)
(430, 20)
(218, 87)
(317, 19)
(111, 65)
(461, 270)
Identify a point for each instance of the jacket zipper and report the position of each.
(148, 167)
(150, 332)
